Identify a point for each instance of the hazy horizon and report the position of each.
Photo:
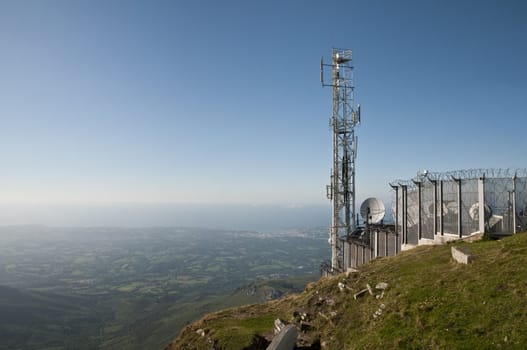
(262, 217)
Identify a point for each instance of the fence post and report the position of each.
(405, 214)
(376, 243)
(386, 244)
(441, 228)
(419, 224)
(481, 201)
(396, 189)
(459, 209)
(356, 255)
(363, 250)
(373, 247)
(434, 182)
(514, 204)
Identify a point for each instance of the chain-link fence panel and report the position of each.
(498, 196)
(427, 210)
(521, 203)
(397, 209)
(450, 207)
(413, 215)
(380, 249)
(505, 204)
(469, 206)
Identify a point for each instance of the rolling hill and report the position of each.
(36, 320)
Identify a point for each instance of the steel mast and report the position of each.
(341, 190)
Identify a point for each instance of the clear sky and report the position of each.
(219, 102)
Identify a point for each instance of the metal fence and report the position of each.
(435, 207)
(372, 242)
(452, 203)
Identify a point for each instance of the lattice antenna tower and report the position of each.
(341, 190)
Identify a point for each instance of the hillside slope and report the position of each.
(430, 302)
(36, 320)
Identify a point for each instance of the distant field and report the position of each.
(114, 288)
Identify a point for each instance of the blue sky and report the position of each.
(219, 102)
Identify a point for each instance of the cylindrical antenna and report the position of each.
(322, 70)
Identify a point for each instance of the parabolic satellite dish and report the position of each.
(372, 210)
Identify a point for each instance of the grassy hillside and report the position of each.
(431, 302)
(32, 320)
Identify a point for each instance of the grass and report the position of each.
(431, 302)
(236, 335)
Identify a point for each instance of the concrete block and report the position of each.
(285, 340)
(462, 255)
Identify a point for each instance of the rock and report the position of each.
(381, 286)
(369, 289)
(201, 332)
(301, 316)
(378, 313)
(359, 294)
(278, 325)
(305, 327)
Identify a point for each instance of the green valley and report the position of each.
(135, 288)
